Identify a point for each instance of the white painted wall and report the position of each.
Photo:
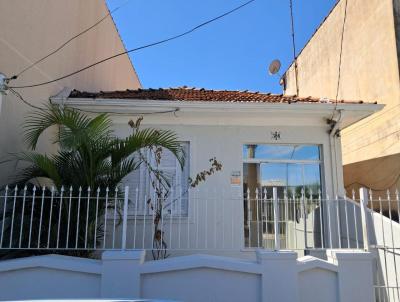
(49, 277)
(216, 195)
(203, 284)
(327, 280)
(275, 276)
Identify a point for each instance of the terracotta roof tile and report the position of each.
(202, 95)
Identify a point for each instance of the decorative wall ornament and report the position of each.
(276, 135)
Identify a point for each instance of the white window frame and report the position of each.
(141, 192)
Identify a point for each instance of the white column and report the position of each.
(276, 219)
(121, 274)
(2, 90)
(279, 281)
(364, 215)
(355, 275)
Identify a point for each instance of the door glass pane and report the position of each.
(312, 180)
(291, 168)
(273, 175)
(295, 180)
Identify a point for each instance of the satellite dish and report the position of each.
(274, 67)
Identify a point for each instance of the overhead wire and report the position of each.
(21, 98)
(373, 142)
(362, 124)
(294, 47)
(360, 138)
(340, 57)
(394, 176)
(139, 48)
(14, 77)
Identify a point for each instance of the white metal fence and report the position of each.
(384, 242)
(101, 219)
(302, 222)
(85, 219)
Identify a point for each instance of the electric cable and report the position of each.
(373, 142)
(138, 48)
(21, 98)
(340, 57)
(14, 77)
(294, 47)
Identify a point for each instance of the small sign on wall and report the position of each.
(235, 178)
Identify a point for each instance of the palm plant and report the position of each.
(89, 156)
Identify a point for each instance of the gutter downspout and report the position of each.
(3, 88)
(333, 134)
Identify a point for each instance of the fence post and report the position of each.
(276, 218)
(120, 274)
(125, 218)
(304, 213)
(363, 205)
(277, 266)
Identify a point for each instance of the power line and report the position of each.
(139, 48)
(360, 138)
(68, 41)
(341, 53)
(362, 124)
(373, 142)
(394, 176)
(21, 98)
(294, 48)
(340, 60)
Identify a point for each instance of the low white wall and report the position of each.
(327, 289)
(275, 276)
(49, 277)
(202, 284)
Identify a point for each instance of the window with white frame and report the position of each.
(288, 167)
(141, 189)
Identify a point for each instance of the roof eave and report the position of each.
(354, 112)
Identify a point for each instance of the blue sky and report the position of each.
(232, 53)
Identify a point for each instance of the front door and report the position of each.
(294, 170)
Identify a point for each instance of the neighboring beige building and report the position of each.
(369, 72)
(29, 30)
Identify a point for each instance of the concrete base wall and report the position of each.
(274, 276)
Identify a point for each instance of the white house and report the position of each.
(262, 140)
(279, 196)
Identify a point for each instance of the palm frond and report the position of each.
(148, 138)
(40, 165)
(40, 120)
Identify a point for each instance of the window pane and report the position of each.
(281, 152)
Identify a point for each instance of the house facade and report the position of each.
(276, 211)
(369, 70)
(263, 142)
(32, 30)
